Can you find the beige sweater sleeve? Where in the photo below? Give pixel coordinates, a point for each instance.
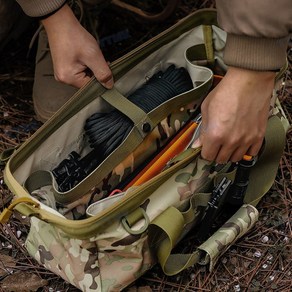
(257, 32)
(38, 8)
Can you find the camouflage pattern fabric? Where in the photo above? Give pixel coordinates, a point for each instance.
(241, 222)
(118, 255)
(275, 106)
(115, 258)
(107, 262)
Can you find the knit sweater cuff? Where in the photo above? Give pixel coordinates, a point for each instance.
(38, 8)
(261, 54)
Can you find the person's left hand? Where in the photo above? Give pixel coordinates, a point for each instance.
(76, 54)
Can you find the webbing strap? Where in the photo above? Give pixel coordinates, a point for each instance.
(168, 227)
(263, 174)
(164, 233)
(128, 108)
(208, 40)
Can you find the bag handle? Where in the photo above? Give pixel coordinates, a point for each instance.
(165, 235)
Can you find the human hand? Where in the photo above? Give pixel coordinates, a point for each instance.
(76, 54)
(234, 115)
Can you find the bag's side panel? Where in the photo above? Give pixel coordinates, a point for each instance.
(76, 261)
(123, 258)
(108, 262)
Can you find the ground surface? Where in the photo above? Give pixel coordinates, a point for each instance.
(261, 261)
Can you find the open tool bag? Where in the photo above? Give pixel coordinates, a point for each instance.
(92, 221)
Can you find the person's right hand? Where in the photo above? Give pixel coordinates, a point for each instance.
(235, 114)
(76, 54)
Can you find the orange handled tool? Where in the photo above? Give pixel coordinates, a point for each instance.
(176, 146)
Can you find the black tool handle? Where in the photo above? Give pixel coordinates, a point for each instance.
(238, 189)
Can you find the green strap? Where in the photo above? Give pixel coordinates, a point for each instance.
(168, 227)
(208, 40)
(263, 174)
(164, 232)
(132, 111)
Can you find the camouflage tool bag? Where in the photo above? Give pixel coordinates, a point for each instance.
(98, 231)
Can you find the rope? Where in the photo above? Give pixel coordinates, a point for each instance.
(106, 131)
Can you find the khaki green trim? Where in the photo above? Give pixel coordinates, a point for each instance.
(164, 232)
(7, 212)
(6, 154)
(208, 38)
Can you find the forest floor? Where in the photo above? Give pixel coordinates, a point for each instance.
(260, 261)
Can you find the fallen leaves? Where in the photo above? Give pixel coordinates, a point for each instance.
(22, 282)
(7, 263)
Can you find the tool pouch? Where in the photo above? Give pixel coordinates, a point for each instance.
(122, 236)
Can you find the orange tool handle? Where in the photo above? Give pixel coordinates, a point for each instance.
(176, 146)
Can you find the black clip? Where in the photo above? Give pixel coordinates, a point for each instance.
(74, 169)
(216, 201)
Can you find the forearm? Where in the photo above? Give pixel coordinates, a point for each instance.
(60, 22)
(257, 32)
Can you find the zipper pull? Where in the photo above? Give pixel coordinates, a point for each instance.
(7, 212)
